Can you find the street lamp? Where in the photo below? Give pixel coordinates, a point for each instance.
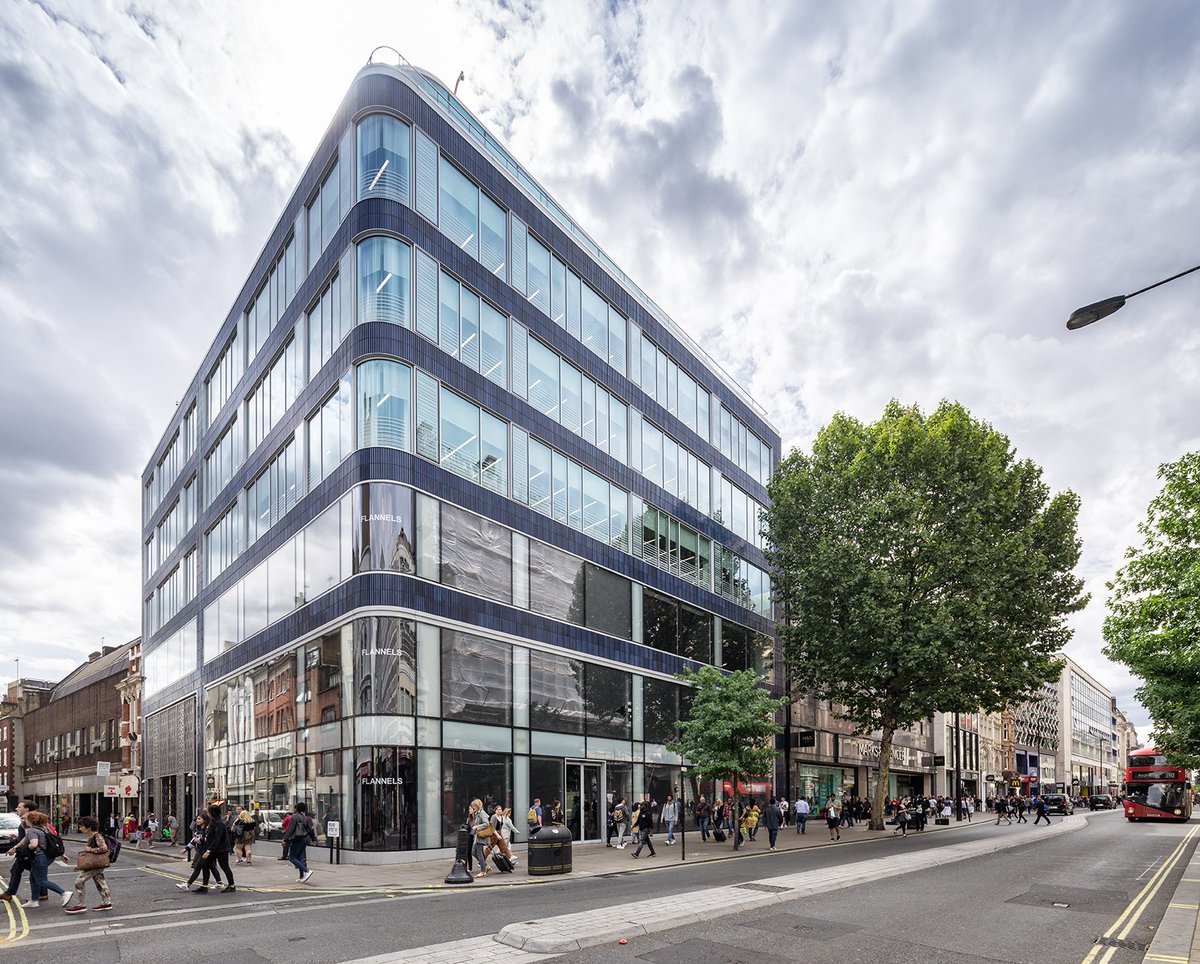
(1082, 317)
(57, 799)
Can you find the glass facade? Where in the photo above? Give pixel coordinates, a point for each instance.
(467, 502)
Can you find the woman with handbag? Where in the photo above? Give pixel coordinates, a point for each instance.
(244, 832)
(91, 863)
(481, 831)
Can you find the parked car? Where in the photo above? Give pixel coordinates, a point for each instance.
(10, 829)
(1101, 801)
(270, 824)
(1059, 803)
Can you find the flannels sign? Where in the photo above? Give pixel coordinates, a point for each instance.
(382, 781)
(856, 749)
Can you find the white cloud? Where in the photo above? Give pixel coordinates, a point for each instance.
(843, 205)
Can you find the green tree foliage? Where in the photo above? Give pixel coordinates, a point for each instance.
(921, 567)
(1153, 623)
(730, 732)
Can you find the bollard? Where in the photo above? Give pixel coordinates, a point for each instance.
(459, 873)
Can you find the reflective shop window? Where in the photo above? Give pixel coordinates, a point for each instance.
(556, 693)
(743, 648)
(476, 679)
(384, 281)
(385, 404)
(476, 554)
(384, 154)
(387, 528)
(609, 702)
(323, 677)
(661, 710)
(556, 586)
(468, 775)
(385, 666)
(387, 797)
(695, 634)
(660, 622)
(608, 602)
(326, 552)
(326, 326)
(459, 208)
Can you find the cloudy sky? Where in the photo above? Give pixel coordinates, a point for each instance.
(844, 203)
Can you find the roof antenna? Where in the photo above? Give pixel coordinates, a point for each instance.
(461, 78)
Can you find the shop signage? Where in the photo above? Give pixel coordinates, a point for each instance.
(382, 781)
(379, 651)
(939, 760)
(103, 768)
(855, 749)
(333, 828)
(383, 517)
(128, 786)
(806, 738)
(111, 790)
(990, 778)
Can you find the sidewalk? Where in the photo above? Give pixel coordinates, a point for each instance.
(267, 873)
(1177, 939)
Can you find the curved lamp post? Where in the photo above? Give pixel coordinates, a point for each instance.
(1082, 317)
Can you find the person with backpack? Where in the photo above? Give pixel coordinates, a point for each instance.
(91, 864)
(45, 845)
(772, 819)
(620, 821)
(203, 862)
(534, 816)
(299, 834)
(669, 817)
(244, 832)
(557, 817)
(19, 851)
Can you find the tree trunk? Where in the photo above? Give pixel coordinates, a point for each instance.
(881, 781)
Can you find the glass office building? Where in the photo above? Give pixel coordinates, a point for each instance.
(449, 503)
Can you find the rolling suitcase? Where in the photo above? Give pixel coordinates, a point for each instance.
(503, 864)
(719, 835)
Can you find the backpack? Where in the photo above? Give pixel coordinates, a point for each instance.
(114, 848)
(618, 814)
(532, 817)
(54, 846)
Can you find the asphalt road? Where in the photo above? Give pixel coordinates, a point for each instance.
(997, 908)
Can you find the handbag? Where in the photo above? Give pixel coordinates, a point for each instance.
(484, 832)
(90, 861)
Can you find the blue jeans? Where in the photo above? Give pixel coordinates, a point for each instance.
(703, 828)
(40, 881)
(670, 830)
(801, 820)
(296, 853)
(772, 834)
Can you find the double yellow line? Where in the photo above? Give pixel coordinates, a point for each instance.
(18, 923)
(1124, 924)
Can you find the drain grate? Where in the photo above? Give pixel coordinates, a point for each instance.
(764, 888)
(1117, 942)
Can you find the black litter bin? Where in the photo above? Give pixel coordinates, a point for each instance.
(549, 852)
(942, 821)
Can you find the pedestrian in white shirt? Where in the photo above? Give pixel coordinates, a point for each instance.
(668, 816)
(802, 811)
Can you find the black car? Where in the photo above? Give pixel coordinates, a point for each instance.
(1059, 803)
(1101, 801)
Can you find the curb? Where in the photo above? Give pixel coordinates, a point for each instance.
(1176, 940)
(573, 932)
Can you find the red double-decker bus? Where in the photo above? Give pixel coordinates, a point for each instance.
(1155, 790)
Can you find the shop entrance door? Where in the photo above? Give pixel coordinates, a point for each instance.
(584, 800)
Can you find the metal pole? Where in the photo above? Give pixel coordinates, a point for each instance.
(957, 770)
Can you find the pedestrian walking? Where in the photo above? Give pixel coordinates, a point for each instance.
(772, 819)
(21, 854)
(644, 825)
(1021, 808)
(244, 832)
(1043, 812)
(481, 832)
(802, 812)
(1002, 811)
(832, 818)
(784, 810)
(703, 817)
(204, 861)
(750, 820)
(903, 816)
(620, 818)
(301, 834)
(219, 845)
(91, 863)
(39, 841)
(669, 817)
(503, 831)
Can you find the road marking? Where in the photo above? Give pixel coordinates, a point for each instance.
(1136, 907)
(18, 923)
(1170, 958)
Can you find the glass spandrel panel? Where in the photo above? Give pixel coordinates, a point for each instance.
(608, 603)
(468, 332)
(448, 336)
(476, 554)
(476, 679)
(426, 177)
(427, 416)
(427, 296)
(556, 694)
(520, 465)
(520, 359)
(556, 583)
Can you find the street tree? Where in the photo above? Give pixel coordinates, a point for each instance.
(730, 730)
(919, 566)
(1153, 622)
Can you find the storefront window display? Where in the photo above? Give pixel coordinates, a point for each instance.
(385, 778)
(468, 775)
(816, 783)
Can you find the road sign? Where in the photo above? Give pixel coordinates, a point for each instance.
(103, 768)
(333, 828)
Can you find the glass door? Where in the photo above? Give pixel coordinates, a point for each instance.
(584, 801)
